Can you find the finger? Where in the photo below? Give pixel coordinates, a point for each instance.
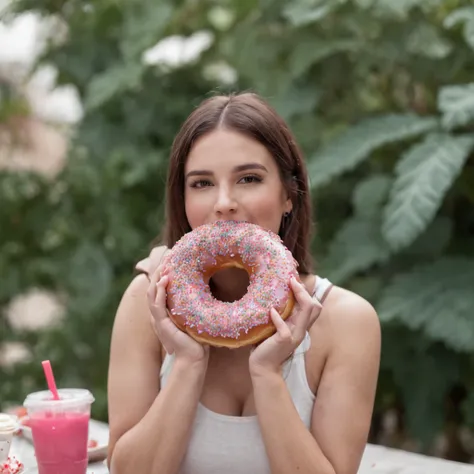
(166, 333)
(303, 319)
(303, 298)
(153, 289)
(315, 313)
(169, 350)
(173, 333)
(153, 325)
(151, 292)
(282, 328)
(167, 347)
(160, 299)
(156, 275)
(306, 320)
(300, 328)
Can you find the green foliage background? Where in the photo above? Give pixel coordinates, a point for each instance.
(378, 93)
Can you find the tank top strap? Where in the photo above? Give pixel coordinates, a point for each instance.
(322, 288)
(166, 368)
(149, 264)
(294, 374)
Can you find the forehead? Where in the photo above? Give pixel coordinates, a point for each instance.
(227, 148)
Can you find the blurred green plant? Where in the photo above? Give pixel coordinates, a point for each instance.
(378, 93)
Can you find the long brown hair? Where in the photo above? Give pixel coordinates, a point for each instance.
(249, 114)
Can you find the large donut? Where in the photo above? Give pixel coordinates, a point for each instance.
(207, 249)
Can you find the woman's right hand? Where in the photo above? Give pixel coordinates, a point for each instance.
(173, 339)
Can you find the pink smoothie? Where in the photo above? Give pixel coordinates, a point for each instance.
(60, 441)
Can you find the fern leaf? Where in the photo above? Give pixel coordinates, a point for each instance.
(89, 276)
(111, 82)
(355, 144)
(425, 40)
(359, 244)
(463, 15)
(364, 4)
(401, 8)
(424, 175)
(143, 26)
(436, 299)
(434, 240)
(370, 195)
(457, 105)
(301, 14)
(311, 51)
(356, 247)
(296, 100)
(423, 372)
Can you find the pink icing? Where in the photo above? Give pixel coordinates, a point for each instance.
(190, 297)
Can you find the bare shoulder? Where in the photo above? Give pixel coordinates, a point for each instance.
(350, 328)
(133, 313)
(346, 314)
(135, 361)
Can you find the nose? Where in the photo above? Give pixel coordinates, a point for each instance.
(225, 203)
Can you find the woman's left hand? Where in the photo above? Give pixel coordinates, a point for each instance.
(274, 351)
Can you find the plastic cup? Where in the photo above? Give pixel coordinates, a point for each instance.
(60, 430)
(8, 426)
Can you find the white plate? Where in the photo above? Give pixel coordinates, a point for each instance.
(98, 431)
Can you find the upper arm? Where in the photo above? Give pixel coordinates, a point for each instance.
(345, 398)
(135, 361)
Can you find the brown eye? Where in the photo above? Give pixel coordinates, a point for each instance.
(201, 183)
(250, 179)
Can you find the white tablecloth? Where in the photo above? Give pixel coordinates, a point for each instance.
(376, 460)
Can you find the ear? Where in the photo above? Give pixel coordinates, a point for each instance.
(288, 207)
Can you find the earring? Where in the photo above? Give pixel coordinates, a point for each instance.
(286, 214)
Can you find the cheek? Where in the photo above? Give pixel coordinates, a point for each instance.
(269, 201)
(268, 210)
(189, 207)
(196, 210)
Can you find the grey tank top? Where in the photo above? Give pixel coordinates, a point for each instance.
(232, 444)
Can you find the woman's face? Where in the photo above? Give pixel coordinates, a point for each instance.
(229, 176)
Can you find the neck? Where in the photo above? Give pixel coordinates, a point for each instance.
(229, 284)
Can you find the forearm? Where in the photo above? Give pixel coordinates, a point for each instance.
(289, 444)
(158, 442)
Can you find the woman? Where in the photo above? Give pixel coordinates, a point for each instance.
(302, 400)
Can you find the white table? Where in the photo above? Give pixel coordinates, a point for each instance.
(376, 460)
(381, 460)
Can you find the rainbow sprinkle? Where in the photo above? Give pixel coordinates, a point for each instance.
(12, 466)
(262, 251)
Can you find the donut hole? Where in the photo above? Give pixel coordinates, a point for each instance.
(236, 284)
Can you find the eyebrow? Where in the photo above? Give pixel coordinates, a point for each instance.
(236, 169)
